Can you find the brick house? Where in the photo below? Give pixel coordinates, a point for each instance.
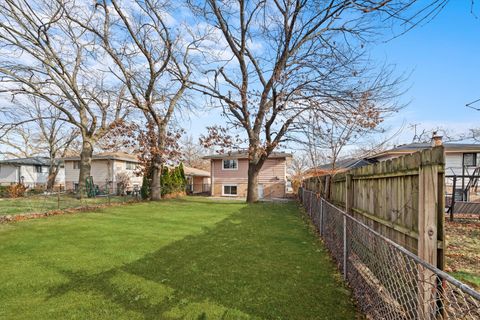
(198, 181)
(229, 175)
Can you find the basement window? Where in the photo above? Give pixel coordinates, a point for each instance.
(229, 190)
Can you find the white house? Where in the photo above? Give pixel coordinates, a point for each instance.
(32, 172)
(107, 170)
(462, 160)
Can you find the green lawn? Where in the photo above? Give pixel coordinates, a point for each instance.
(190, 258)
(43, 203)
(463, 250)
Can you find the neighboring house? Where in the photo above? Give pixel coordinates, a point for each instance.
(32, 172)
(107, 171)
(198, 181)
(460, 160)
(229, 175)
(339, 166)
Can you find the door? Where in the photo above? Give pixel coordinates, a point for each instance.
(260, 191)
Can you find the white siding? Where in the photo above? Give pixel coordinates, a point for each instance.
(60, 178)
(453, 163)
(8, 174)
(31, 177)
(120, 166)
(103, 171)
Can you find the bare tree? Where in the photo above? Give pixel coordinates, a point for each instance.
(273, 61)
(192, 153)
(18, 143)
(49, 57)
(152, 61)
(45, 134)
(331, 136)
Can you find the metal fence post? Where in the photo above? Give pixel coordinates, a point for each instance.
(310, 205)
(322, 219)
(348, 209)
(345, 249)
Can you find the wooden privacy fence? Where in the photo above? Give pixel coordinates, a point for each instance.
(402, 199)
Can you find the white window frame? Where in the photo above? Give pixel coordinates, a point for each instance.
(475, 156)
(229, 169)
(76, 165)
(131, 164)
(228, 194)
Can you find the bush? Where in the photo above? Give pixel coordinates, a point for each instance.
(145, 190)
(16, 190)
(173, 180)
(36, 190)
(3, 191)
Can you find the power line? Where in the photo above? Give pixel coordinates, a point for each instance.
(473, 102)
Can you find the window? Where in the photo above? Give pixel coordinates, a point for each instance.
(230, 164)
(229, 190)
(470, 159)
(38, 169)
(131, 165)
(76, 164)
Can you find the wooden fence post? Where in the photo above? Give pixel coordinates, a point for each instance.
(452, 203)
(328, 181)
(428, 185)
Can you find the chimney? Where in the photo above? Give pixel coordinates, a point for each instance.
(436, 139)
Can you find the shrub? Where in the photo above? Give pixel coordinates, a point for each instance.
(3, 191)
(145, 189)
(16, 190)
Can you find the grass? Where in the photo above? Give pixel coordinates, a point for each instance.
(189, 258)
(43, 203)
(463, 250)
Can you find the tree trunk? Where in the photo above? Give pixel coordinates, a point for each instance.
(252, 186)
(155, 186)
(157, 164)
(85, 166)
(52, 175)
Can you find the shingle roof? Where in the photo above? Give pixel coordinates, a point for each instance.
(195, 172)
(347, 164)
(244, 155)
(107, 156)
(413, 147)
(32, 161)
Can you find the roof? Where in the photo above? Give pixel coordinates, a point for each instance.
(107, 156)
(244, 155)
(32, 161)
(349, 163)
(195, 172)
(414, 147)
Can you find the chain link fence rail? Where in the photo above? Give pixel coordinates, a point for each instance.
(36, 204)
(387, 280)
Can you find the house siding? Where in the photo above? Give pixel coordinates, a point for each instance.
(272, 176)
(102, 171)
(8, 174)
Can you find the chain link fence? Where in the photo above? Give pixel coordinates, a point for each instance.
(387, 280)
(31, 204)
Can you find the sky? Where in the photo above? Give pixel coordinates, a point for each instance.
(442, 61)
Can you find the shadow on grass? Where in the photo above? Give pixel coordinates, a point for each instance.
(259, 263)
